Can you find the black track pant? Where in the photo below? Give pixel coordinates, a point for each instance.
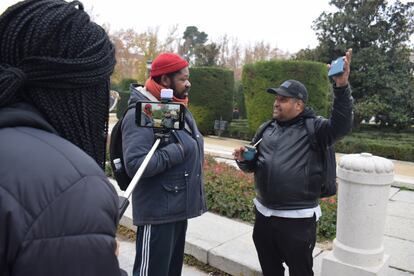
(288, 240)
(160, 249)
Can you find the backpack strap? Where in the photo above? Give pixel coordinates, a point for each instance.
(130, 106)
(310, 128)
(260, 131)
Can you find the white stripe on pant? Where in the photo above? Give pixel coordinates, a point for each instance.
(146, 238)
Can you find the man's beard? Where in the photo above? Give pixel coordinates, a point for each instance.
(182, 95)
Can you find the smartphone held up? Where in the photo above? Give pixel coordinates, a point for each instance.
(337, 67)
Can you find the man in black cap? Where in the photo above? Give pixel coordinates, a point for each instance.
(288, 189)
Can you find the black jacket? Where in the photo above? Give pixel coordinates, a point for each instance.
(282, 169)
(58, 212)
(171, 188)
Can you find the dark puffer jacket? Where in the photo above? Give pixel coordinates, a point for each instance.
(171, 188)
(58, 213)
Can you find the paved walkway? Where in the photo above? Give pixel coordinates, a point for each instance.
(227, 245)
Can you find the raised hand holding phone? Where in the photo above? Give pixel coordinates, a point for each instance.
(341, 78)
(337, 67)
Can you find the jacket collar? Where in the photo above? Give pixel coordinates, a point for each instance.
(24, 115)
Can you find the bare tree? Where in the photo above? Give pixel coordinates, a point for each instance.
(260, 51)
(231, 55)
(172, 41)
(127, 56)
(133, 50)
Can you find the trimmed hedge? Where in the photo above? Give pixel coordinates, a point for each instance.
(123, 89)
(238, 99)
(123, 85)
(123, 103)
(239, 129)
(262, 75)
(398, 146)
(211, 96)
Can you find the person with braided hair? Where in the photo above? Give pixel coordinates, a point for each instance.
(58, 212)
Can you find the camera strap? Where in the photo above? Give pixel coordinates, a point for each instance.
(187, 128)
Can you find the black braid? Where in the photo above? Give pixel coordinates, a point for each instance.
(54, 57)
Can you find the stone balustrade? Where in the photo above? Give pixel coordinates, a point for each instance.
(364, 181)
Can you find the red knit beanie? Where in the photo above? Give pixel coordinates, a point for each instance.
(167, 63)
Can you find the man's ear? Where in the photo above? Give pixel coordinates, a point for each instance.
(300, 105)
(165, 81)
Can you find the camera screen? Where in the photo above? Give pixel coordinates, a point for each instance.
(160, 115)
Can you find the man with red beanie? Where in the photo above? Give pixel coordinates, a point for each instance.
(146, 116)
(171, 189)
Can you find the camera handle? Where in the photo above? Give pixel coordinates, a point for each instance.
(124, 199)
(162, 136)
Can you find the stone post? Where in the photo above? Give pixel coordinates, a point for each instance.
(363, 189)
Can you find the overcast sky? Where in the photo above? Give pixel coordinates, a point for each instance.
(285, 24)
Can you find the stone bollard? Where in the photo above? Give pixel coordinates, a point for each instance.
(364, 181)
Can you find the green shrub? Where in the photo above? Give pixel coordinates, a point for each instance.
(123, 85)
(211, 96)
(124, 92)
(122, 103)
(239, 99)
(386, 129)
(230, 192)
(381, 142)
(204, 118)
(262, 75)
(239, 129)
(327, 223)
(108, 168)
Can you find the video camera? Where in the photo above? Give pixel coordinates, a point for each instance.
(164, 115)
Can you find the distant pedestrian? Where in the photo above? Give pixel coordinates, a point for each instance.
(168, 120)
(236, 113)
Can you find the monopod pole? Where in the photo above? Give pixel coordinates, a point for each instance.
(124, 199)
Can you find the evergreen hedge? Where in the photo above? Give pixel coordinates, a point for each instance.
(259, 76)
(123, 103)
(123, 89)
(123, 85)
(397, 146)
(238, 99)
(211, 96)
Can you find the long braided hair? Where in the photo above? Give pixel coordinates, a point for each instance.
(53, 56)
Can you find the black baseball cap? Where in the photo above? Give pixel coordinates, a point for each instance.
(291, 89)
